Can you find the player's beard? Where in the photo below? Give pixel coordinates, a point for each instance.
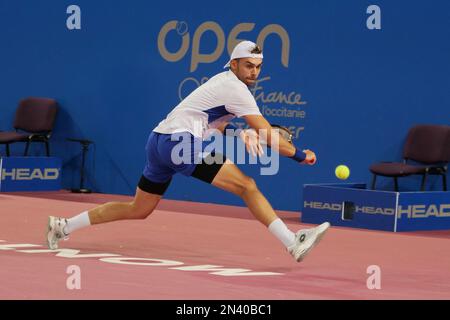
(245, 79)
(250, 82)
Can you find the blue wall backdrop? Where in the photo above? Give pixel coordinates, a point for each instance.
(358, 90)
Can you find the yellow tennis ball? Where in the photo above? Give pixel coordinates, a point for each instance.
(342, 172)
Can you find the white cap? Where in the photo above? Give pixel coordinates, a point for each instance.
(243, 50)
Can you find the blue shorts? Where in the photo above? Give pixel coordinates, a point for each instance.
(168, 154)
(160, 166)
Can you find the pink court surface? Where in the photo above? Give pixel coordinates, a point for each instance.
(196, 251)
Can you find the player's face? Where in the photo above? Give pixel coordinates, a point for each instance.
(247, 69)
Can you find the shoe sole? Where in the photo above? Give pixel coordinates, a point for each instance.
(46, 235)
(319, 237)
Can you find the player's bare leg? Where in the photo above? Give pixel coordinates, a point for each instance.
(140, 207)
(231, 179)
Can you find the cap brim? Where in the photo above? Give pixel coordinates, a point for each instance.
(227, 65)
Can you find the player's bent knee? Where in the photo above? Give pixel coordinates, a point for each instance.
(248, 185)
(139, 212)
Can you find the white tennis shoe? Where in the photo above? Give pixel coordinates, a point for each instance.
(55, 231)
(306, 239)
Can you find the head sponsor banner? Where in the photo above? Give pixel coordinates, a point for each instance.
(369, 209)
(30, 174)
(423, 211)
(353, 205)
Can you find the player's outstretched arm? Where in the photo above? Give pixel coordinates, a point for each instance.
(259, 123)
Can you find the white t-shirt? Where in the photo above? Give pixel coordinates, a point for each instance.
(220, 99)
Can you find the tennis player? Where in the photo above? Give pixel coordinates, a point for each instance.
(212, 105)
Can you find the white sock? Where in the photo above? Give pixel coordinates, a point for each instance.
(281, 231)
(77, 222)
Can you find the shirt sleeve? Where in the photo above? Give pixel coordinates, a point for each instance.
(241, 102)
